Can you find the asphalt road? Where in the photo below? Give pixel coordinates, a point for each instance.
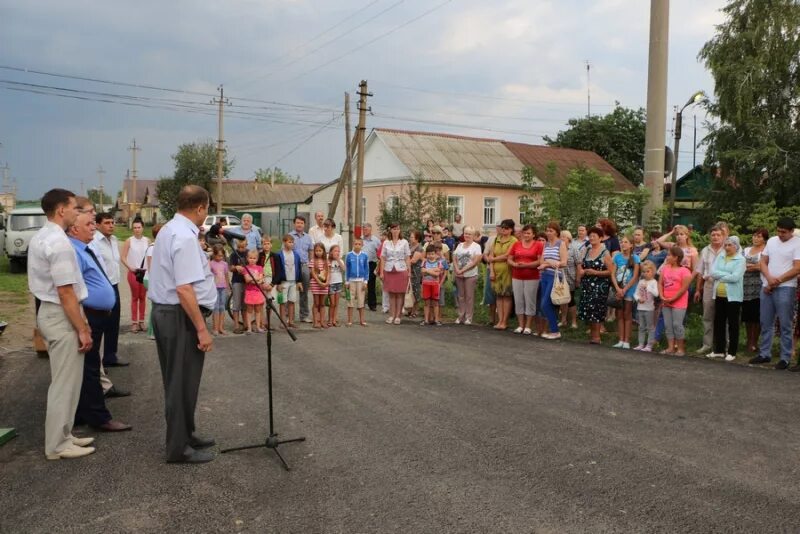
(412, 429)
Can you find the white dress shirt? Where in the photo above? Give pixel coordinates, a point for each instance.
(316, 233)
(395, 255)
(52, 264)
(178, 260)
(107, 248)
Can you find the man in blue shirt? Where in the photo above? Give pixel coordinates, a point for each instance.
(303, 245)
(97, 307)
(251, 233)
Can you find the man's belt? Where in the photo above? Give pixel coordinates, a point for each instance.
(97, 313)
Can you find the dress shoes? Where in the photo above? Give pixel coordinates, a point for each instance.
(113, 426)
(118, 363)
(82, 442)
(781, 365)
(756, 360)
(197, 442)
(71, 452)
(116, 392)
(194, 457)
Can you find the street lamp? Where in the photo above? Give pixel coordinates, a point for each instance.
(696, 98)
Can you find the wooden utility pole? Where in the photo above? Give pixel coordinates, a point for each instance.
(100, 173)
(220, 145)
(132, 202)
(348, 157)
(349, 172)
(362, 127)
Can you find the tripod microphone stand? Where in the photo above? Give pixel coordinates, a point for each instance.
(272, 441)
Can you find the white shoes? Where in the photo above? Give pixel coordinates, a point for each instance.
(457, 321)
(518, 330)
(71, 452)
(467, 322)
(703, 349)
(527, 332)
(82, 442)
(713, 355)
(551, 335)
(729, 357)
(617, 345)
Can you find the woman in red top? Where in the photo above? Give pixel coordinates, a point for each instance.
(524, 258)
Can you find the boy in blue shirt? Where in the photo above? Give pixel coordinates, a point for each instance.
(433, 273)
(357, 273)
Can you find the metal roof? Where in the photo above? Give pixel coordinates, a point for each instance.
(444, 158)
(252, 193)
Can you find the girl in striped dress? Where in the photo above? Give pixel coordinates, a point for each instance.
(319, 283)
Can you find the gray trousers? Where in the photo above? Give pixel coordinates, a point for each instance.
(302, 296)
(66, 372)
(181, 370)
(525, 292)
(673, 322)
(647, 327)
(708, 314)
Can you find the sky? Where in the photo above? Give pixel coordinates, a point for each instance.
(507, 69)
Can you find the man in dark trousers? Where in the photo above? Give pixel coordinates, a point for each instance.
(370, 247)
(98, 309)
(183, 292)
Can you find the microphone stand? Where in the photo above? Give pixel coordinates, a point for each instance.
(272, 441)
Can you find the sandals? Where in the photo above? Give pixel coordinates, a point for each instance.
(135, 328)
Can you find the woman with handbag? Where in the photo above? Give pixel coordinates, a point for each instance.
(624, 276)
(593, 277)
(133, 255)
(554, 258)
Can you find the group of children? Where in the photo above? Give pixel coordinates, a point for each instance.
(247, 272)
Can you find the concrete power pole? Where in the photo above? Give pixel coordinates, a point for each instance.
(100, 173)
(656, 107)
(220, 144)
(6, 185)
(362, 127)
(132, 201)
(349, 172)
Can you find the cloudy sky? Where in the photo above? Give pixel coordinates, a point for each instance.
(506, 69)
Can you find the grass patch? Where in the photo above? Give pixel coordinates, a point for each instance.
(12, 283)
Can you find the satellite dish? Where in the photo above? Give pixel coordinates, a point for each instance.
(669, 161)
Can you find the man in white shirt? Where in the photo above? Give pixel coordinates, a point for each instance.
(106, 246)
(56, 281)
(780, 265)
(316, 232)
(705, 285)
(183, 292)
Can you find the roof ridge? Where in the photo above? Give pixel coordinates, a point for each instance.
(438, 134)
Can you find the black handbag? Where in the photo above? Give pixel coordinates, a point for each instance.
(141, 271)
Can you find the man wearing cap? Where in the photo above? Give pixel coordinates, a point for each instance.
(98, 309)
(370, 247)
(55, 280)
(183, 292)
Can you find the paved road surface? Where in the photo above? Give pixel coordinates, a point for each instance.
(411, 429)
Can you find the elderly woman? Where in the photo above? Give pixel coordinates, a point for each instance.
(554, 257)
(466, 258)
(500, 272)
(394, 271)
(569, 311)
(594, 277)
(728, 275)
(329, 236)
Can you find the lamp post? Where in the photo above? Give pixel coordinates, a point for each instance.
(696, 98)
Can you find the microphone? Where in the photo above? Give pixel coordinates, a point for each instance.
(232, 234)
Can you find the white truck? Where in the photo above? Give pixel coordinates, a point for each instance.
(16, 229)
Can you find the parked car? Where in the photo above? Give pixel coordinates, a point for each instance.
(233, 220)
(16, 232)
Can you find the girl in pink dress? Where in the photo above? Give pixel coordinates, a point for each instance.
(319, 283)
(253, 297)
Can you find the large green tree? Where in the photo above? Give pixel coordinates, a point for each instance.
(755, 140)
(276, 175)
(617, 137)
(195, 164)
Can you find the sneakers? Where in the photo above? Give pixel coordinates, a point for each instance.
(703, 349)
(457, 321)
(729, 357)
(526, 332)
(467, 322)
(518, 330)
(647, 348)
(638, 347)
(626, 345)
(551, 335)
(758, 359)
(82, 442)
(617, 345)
(781, 365)
(70, 453)
(713, 355)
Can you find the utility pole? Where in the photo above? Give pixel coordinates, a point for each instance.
(656, 107)
(362, 127)
(100, 173)
(346, 170)
(132, 202)
(220, 144)
(588, 90)
(349, 172)
(6, 185)
(83, 191)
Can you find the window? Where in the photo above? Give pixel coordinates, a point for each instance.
(489, 211)
(455, 205)
(525, 203)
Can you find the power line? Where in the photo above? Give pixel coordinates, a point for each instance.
(371, 41)
(462, 126)
(309, 138)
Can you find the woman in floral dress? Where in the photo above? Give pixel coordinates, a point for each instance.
(594, 274)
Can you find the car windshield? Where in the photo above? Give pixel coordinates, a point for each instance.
(27, 222)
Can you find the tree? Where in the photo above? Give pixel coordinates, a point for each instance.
(755, 142)
(195, 164)
(276, 174)
(617, 137)
(94, 196)
(413, 205)
(585, 196)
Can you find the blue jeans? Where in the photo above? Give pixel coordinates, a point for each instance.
(545, 304)
(779, 303)
(488, 294)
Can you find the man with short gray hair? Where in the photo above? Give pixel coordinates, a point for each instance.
(250, 232)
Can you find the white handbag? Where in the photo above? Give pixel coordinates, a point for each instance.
(560, 293)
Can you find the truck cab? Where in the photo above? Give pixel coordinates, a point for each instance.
(19, 227)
